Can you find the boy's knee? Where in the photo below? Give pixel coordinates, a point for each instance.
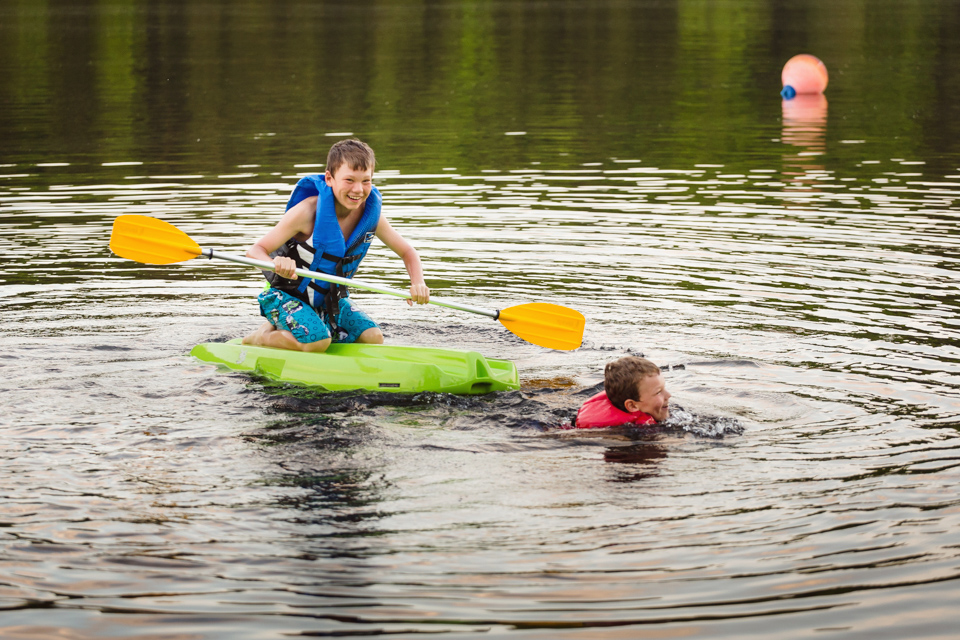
(373, 335)
(314, 347)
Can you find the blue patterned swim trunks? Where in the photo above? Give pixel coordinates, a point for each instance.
(284, 311)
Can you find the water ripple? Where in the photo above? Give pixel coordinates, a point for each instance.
(809, 469)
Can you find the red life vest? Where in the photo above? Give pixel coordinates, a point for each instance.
(598, 412)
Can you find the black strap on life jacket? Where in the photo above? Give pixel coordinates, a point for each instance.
(336, 292)
(331, 295)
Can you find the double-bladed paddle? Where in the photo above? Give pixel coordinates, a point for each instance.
(152, 241)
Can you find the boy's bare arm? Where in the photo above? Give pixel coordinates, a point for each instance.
(297, 221)
(419, 292)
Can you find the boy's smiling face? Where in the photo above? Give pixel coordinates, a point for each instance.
(654, 398)
(351, 187)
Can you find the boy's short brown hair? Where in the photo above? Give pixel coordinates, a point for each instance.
(621, 379)
(357, 155)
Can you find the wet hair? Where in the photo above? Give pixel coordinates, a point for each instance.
(357, 155)
(621, 379)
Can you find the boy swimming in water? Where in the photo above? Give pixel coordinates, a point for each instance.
(633, 393)
(329, 223)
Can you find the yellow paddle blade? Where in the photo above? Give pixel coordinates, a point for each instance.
(546, 325)
(151, 241)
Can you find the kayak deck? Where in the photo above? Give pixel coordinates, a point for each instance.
(373, 367)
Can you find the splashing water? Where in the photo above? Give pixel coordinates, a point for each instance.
(706, 426)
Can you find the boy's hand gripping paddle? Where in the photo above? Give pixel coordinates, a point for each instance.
(152, 241)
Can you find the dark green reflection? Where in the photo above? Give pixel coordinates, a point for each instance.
(430, 84)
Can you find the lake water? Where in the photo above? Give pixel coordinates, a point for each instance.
(792, 265)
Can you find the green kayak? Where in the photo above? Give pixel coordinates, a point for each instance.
(374, 367)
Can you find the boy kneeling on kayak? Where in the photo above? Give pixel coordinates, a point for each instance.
(329, 223)
(633, 393)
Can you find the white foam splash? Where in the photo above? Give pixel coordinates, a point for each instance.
(703, 425)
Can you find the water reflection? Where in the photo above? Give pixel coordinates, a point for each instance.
(642, 458)
(182, 84)
(345, 502)
(805, 128)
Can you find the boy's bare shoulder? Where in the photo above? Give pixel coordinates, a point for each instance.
(302, 215)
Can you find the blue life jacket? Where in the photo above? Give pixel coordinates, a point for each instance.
(327, 250)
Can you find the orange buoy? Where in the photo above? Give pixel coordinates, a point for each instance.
(803, 73)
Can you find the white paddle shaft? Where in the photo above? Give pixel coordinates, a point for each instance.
(303, 273)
